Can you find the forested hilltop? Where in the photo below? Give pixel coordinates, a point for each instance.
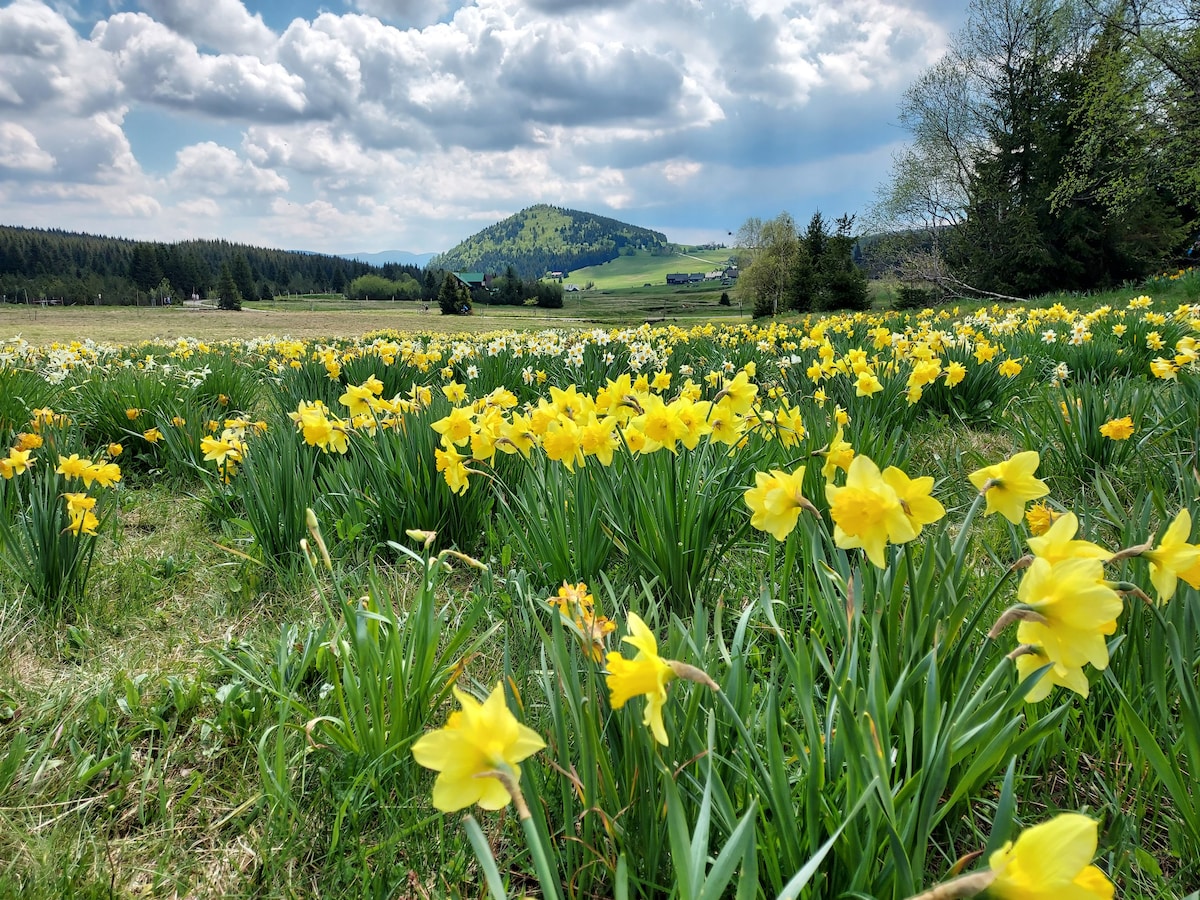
(544, 239)
(67, 267)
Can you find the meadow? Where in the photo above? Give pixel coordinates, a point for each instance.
(644, 268)
(876, 605)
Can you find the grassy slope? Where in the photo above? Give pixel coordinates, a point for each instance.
(637, 270)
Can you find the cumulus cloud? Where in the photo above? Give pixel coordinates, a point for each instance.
(570, 6)
(426, 120)
(404, 12)
(213, 170)
(223, 25)
(19, 150)
(45, 64)
(158, 66)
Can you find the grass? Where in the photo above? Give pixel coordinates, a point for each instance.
(643, 268)
(323, 319)
(163, 751)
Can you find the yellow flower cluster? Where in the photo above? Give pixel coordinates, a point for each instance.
(1066, 609)
(871, 510)
(571, 427)
(578, 610)
(102, 472)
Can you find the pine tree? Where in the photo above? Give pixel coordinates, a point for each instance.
(243, 277)
(231, 297)
(454, 298)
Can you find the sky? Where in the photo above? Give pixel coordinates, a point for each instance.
(370, 125)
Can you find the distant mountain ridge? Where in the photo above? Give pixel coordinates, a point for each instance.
(384, 257)
(546, 238)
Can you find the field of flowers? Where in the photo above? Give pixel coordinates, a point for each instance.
(884, 605)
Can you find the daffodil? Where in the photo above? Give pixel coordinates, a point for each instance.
(451, 464)
(1174, 558)
(357, 399)
(478, 739)
(916, 499)
(105, 474)
(1010, 484)
(17, 462)
(646, 674)
(1074, 611)
(1040, 517)
(867, 512)
(1057, 675)
(1118, 429)
(1051, 861)
(1058, 542)
(72, 466)
(776, 501)
(455, 428)
(82, 521)
(837, 455)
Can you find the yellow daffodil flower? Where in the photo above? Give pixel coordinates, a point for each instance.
(916, 500)
(1010, 484)
(1075, 610)
(776, 501)
(17, 462)
(72, 466)
(83, 521)
(838, 455)
(1174, 557)
(1051, 861)
(1040, 517)
(1118, 429)
(479, 738)
(456, 428)
(646, 674)
(1058, 542)
(1058, 675)
(867, 512)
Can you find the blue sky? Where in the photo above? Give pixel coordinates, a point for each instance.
(369, 125)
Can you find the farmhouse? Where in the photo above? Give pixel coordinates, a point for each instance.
(472, 280)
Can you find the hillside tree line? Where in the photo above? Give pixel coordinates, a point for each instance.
(40, 264)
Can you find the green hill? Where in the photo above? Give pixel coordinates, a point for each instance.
(544, 239)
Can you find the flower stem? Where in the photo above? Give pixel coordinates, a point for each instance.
(550, 884)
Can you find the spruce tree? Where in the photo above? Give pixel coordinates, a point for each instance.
(230, 296)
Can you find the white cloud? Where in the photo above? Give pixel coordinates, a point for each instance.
(223, 25)
(199, 208)
(19, 150)
(158, 66)
(404, 12)
(44, 64)
(213, 170)
(448, 115)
